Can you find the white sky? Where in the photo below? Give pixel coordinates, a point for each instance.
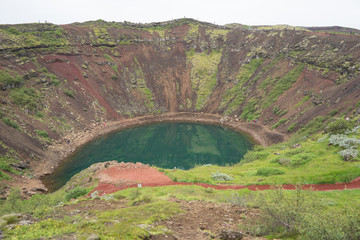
(251, 12)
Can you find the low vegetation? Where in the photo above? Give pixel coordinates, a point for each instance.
(299, 214)
(297, 161)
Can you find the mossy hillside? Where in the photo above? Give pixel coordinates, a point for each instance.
(279, 86)
(235, 95)
(216, 36)
(136, 81)
(7, 158)
(101, 36)
(192, 33)
(279, 27)
(204, 69)
(32, 35)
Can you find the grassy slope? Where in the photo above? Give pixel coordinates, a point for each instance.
(312, 163)
(139, 208)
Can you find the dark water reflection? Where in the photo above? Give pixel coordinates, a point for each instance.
(166, 145)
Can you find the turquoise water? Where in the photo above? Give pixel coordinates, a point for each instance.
(165, 145)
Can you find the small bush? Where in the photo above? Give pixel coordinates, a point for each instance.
(348, 154)
(76, 192)
(339, 126)
(43, 134)
(114, 77)
(134, 194)
(24, 97)
(69, 93)
(282, 161)
(278, 123)
(333, 112)
(9, 81)
(344, 141)
(218, 176)
(10, 123)
(291, 128)
(341, 224)
(301, 159)
(39, 115)
(300, 215)
(251, 156)
(276, 110)
(269, 172)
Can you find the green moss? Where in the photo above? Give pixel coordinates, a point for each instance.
(203, 75)
(137, 81)
(250, 110)
(283, 84)
(41, 133)
(33, 35)
(25, 97)
(9, 122)
(281, 121)
(217, 33)
(291, 128)
(10, 81)
(235, 96)
(306, 98)
(69, 93)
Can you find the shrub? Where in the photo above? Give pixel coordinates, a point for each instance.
(344, 141)
(9, 81)
(284, 161)
(54, 80)
(69, 93)
(278, 123)
(341, 224)
(269, 172)
(10, 123)
(43, 134)
(348, 154)
(24, 97)
(301, 159)
(276, 110)
(218, 176)
(284, 212)
(333, 112)
(39, 115)
(251, 156)
(291, 128)
(339, 126)
(76, 192)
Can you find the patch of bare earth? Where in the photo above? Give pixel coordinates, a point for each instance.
(199, 220)
(206, 220)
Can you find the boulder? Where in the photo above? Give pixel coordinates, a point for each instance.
(230, 235)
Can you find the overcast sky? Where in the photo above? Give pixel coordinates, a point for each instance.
(251, 12)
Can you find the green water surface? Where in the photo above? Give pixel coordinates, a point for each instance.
(165, 145)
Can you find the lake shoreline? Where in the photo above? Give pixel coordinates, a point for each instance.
(65, 147)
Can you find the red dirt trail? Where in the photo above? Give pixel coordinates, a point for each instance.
(116, 178)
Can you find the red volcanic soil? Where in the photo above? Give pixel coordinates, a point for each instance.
(128, 175)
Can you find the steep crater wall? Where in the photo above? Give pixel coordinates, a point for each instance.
(59, 81)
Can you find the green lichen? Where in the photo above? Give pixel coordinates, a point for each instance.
(217, 33)
(203, 75)
(235, 95)
(32, 35)
(281, 85)
(137, 81)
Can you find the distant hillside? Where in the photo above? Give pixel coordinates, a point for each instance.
(334, 29)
